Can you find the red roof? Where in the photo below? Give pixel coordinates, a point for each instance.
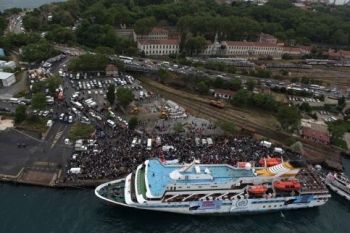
(223, 92)
(339, 53)
(251, 44)
(158, 30)
(159, 42)
(111, 67)
(316, 134)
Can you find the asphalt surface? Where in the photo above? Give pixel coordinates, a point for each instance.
(13, 159)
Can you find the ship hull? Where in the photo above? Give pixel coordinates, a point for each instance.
(338, 191)
(234, 207)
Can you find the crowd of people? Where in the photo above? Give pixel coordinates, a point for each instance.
(112, 155)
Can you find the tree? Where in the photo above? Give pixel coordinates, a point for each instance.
(289, 117)
(111, 94)
(120, 65)
(125, 96)
(250, 84)
(241, 98)
(61, 35)
(104, 50)
(178, 127)
(38, 52)
(235, 84)
(163, 75)
(53, 83)
(80, 131)
(218, 83)
(195, 45)
(305, 107)
(88, 62)
(133, 122)
(39, 101)
(20, 114)
(203, 87)
(341, 101)
(144, 25)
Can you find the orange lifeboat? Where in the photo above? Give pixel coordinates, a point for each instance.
(288, 185)
(270, 161)
(258, 190)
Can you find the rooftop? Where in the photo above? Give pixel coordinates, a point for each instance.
(159, 175)
(159, 42)
(313, 133)
(224, 92)
(159, 30)
(252, 44)
(5, 75)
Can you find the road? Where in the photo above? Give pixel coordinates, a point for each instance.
(16, 23)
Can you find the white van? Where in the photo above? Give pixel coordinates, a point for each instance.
(134, 141)
(111, 123)
(78, 105)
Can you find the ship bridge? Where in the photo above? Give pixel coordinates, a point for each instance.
(160, 177)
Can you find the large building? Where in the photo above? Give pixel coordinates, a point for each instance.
(155, 34)
(266, 46)
(244, 49)
(338, 54)
(159, 47)
(315, 130)
(158, 42)
(7, 79)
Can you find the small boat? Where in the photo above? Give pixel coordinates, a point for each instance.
(269, 161)
(287, 185)
(339, 183)
(257, 190)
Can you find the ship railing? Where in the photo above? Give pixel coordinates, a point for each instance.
(168, 199)
(233, 197)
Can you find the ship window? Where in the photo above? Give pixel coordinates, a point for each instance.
(263, 206)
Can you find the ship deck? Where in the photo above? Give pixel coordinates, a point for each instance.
(158, 175)
(113, 191)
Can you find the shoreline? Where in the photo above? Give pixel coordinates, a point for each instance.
(57, 183)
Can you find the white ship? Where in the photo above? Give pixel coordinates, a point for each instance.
(339, 183)
(216, 188)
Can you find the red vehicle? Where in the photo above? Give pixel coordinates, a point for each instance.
(288, 185)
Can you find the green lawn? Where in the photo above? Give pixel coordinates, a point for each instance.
(80, 131)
